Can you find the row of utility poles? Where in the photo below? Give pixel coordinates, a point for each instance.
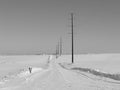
(59, 48)
(59, 45)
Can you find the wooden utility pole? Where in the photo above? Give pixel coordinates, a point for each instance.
(60, 46)
(72, 37)
(57, 51)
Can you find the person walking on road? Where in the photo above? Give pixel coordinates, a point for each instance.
(30, 69)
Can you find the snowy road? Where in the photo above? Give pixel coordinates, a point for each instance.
(57, 78)
(49, 79)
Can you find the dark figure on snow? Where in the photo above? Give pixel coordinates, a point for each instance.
(30, 69)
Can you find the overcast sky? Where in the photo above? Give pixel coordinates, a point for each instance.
(28, 26)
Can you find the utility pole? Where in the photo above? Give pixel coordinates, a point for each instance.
(72, 37)
(60, 46)
(57, 51)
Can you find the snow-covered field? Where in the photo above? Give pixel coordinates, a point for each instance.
(104, 62)
(50, 73)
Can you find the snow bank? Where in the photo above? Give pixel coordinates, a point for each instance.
(26, 73)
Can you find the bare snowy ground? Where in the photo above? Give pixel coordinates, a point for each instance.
(9, 64)
(49, 73)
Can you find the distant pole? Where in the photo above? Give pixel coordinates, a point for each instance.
(60, 46)
(72, 37)
(56, 51)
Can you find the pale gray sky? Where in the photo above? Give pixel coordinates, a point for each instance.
(32, 25)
